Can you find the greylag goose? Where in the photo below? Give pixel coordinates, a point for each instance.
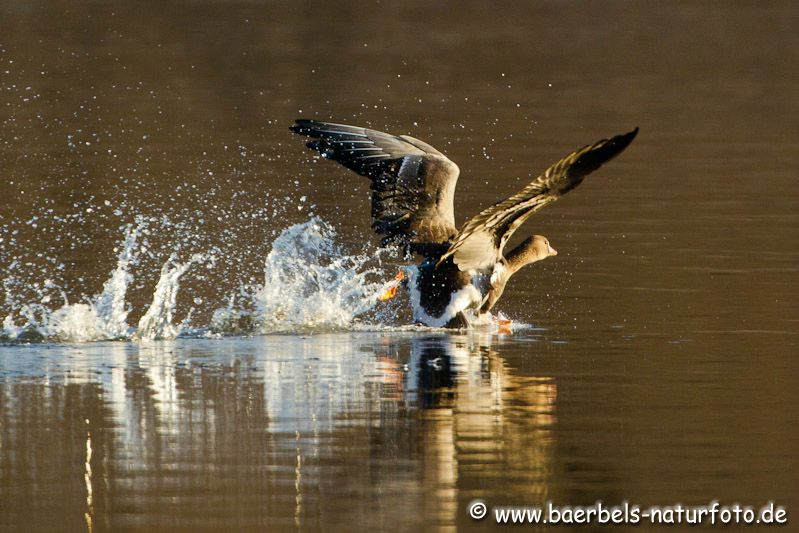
(413, 188)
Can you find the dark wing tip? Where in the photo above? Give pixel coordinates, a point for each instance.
(626, 138)
(618, 143)
(596, 155)
(303, 126)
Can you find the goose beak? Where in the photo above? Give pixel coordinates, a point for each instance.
(552, 251)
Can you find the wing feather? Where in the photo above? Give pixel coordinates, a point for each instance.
(413, 184)
(480, 242)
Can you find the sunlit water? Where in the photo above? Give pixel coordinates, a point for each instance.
(191, 331)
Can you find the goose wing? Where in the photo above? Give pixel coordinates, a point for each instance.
(480, 242)
(413, 184)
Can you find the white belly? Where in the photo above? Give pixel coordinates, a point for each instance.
(465, 298)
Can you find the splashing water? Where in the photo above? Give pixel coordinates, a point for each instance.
(103, 317)
(110, 306)
(157, 321)
(311, 284)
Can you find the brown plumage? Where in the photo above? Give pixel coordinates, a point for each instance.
(413, 188)
(413, 184)
(532, 250)
(481, 240)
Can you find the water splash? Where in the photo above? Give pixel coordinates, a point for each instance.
(103, 317)
(156, 323)
(310, 283)
(110, 305)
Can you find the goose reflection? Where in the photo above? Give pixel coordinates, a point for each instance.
(280, 432)
(481, 422)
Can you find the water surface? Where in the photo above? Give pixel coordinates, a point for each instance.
(658, 363)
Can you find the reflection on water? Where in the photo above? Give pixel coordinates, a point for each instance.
(270, 431)
(663, 365)
(392, 430)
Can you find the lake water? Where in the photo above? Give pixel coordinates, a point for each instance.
(193, 339)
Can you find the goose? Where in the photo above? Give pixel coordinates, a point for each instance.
(463, 272)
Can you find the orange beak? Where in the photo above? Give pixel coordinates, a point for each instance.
(392, 290)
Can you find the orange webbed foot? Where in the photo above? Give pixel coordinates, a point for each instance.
(391, 291)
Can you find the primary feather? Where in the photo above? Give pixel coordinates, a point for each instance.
(480, 242)
(413, 184)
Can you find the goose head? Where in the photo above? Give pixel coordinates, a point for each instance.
(532, 249)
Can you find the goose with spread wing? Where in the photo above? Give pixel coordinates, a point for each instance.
(463, 272)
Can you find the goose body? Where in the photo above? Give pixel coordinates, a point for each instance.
(464, 271)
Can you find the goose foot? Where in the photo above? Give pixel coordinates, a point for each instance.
(391, 291)
(503, 325)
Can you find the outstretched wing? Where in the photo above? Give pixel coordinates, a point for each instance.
(481, 240)
(413, 184)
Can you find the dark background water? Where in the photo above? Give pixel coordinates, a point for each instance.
(665, 369)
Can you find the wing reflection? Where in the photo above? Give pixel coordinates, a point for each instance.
(283, 432)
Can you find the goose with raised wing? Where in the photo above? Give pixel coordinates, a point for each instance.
(462, 273)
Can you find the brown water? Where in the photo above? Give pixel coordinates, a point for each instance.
(662, 365)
